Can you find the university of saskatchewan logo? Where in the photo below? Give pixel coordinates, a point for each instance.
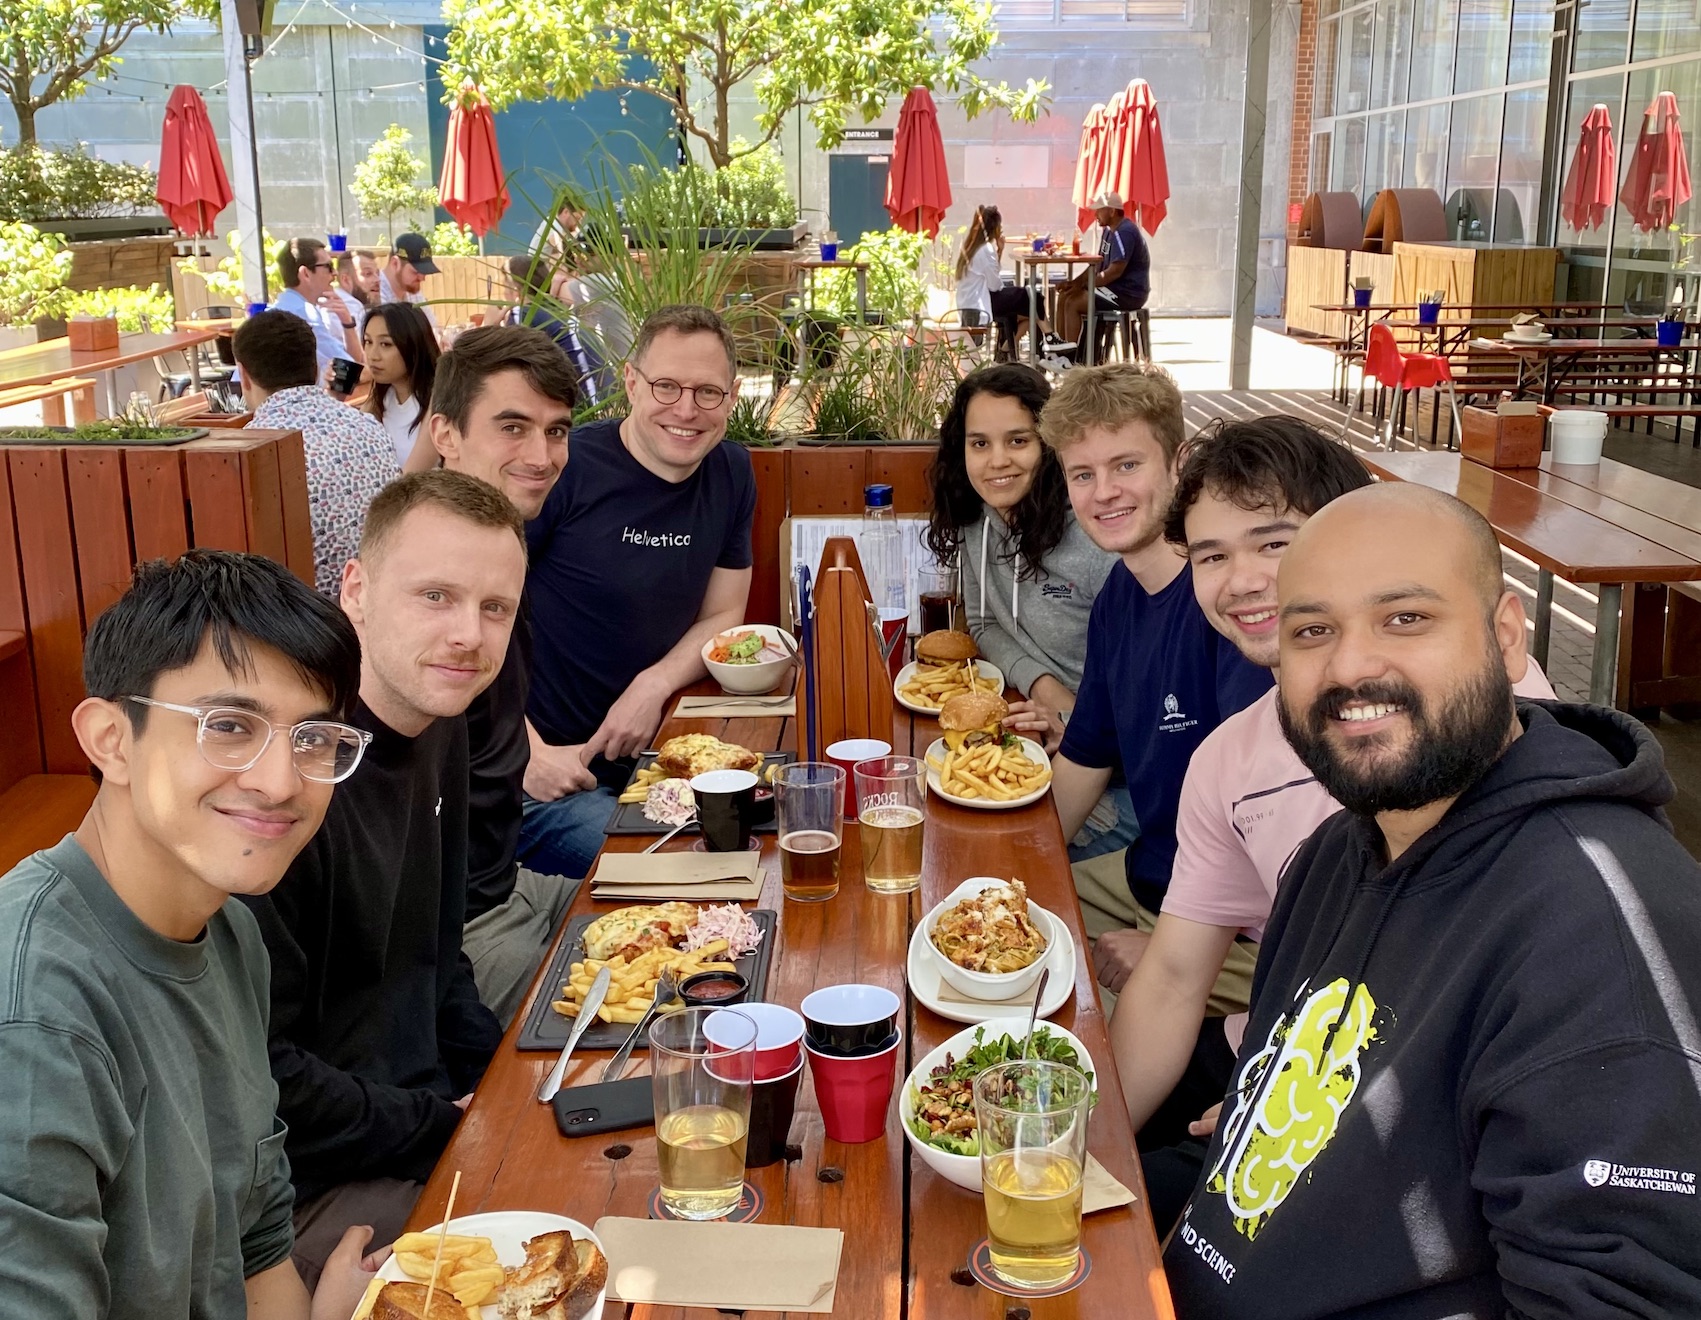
(1596, 1172)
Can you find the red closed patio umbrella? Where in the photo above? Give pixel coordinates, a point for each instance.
(918, 189)
(1658, 181)
(1142, 173)
(1090, 163)
(471, 188)
(193, 187)
(1592, 181)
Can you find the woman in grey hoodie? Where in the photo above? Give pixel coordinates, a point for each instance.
(1029, 573)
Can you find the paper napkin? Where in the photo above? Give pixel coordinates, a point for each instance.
(730, 1267)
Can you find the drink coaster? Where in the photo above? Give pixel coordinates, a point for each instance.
(752, 844)
(749, 1206)
(980, 1265)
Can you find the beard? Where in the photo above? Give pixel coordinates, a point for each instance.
(1451, 747)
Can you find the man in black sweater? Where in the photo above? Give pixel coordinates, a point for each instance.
(1471, 1081)
(377, 1033)
(500, 411)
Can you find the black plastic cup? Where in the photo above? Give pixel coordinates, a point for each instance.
(726, 808)
(850, 1021)
(772, 1106)
(345, 375)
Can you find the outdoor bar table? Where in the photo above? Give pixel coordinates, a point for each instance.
(809, 265)
(907, 1231)
(1034, 278)
(1560, 538)
(38, 364)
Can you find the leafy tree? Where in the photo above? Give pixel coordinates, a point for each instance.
(37, 184)
(449, 239)
(387, 182)
(48, 48)
(224, 281)
(33, 269)
(829, 56)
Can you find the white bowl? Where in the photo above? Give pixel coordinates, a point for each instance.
(964, 1170)
(752, 680)
(988, 985)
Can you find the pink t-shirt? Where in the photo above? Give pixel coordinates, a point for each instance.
(1247, 804)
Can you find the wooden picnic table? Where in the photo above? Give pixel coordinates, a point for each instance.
(907, 1229)
(39, 364)
(1561, 538)
(1550, 361)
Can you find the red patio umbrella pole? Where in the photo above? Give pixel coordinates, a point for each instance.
(918, 188)
(471, 188)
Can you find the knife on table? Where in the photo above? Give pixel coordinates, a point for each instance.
(587, 1015)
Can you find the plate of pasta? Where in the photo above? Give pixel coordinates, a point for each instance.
(940, 985)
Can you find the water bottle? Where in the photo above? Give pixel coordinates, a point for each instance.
(881, 546)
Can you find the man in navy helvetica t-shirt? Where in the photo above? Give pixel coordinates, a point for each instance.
(641, 554)
(1158, 677)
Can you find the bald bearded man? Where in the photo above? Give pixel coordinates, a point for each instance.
(1471, 1080)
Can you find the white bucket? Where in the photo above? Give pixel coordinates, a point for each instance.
(1577, 435)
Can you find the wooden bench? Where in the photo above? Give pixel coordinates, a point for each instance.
(51, 396)
(38, 811)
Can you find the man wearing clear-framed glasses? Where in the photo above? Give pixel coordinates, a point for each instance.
(142, 1170)
(641, 554)
(378, 1035)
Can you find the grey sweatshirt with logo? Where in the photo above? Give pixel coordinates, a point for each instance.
(1036, 625)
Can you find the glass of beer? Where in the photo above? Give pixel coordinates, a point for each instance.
(701, 1091)
(809, 809)
(1032, 1117)
(891, 793)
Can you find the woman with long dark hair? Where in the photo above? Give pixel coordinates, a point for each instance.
(1029, 573)
(981, 295)
(401, 362)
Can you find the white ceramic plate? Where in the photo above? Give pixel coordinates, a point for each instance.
(984, 668)
(508, 1231)
(1031, 749)
(1527, 339)
(925, 982)
(964, 1170)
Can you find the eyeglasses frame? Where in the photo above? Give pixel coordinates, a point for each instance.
(204, 713)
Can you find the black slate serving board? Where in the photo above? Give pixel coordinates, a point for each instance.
(629, 818)
(545, 1029)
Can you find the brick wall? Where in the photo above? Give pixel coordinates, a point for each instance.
(1305, 67)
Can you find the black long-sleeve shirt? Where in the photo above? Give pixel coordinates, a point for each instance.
(376, 1025)
(500, 751)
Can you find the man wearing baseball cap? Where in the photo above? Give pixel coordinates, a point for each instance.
(404, 274)
(1124, 279)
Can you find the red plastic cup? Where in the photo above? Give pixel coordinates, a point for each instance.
(779, 1038)
(846, 754)
(854, 1094)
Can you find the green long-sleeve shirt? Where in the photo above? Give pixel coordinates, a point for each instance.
(142, 1173)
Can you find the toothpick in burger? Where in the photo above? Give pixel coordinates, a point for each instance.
(945, 646)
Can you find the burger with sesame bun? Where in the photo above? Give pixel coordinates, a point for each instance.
(975, 719)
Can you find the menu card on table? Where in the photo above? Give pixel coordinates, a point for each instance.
(730, 1267)
(693, 876)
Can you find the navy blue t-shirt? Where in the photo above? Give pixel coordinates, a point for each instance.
(1125, 242)
(1158, 679)
(620, 562)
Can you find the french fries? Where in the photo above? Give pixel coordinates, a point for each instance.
(469, 1269)
(639, 788)
(993, 771)
(633, 984)
(931, 686)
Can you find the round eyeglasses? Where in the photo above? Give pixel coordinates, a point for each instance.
(709, 397)
(234, 739)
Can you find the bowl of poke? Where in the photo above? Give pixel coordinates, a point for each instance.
(750, 660)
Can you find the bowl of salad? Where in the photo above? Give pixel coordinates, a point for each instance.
(937, 1104)
(750, 659)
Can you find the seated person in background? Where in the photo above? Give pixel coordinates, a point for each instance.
(1029, 571)
(981, 295)
(530, 283)
(401, 362)
(1157, 678)
(1248, 802)
(309, 278)
(500, 411)
(350, 290)
(403, 276)
(377, 1033)
(142, 1171)
(1468, 1085)
(349, 457)
(641, 554)
(1124, 277)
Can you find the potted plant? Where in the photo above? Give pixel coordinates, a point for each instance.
(33, 269)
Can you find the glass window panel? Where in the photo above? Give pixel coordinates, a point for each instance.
(1426, 148)
(1352, 81)
(1484, 27)
(1473, 159)
(1323, 96)
(1392, 62)
(1347, 172)
(1320, 144)
(1660, 242)
(1532, 41)
(1432, 48)
(1382, 152)
(1520, 167)
(1585, 94)
(1603, 34)
(1665, 27)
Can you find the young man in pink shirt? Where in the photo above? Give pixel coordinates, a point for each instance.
(1248, 801)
